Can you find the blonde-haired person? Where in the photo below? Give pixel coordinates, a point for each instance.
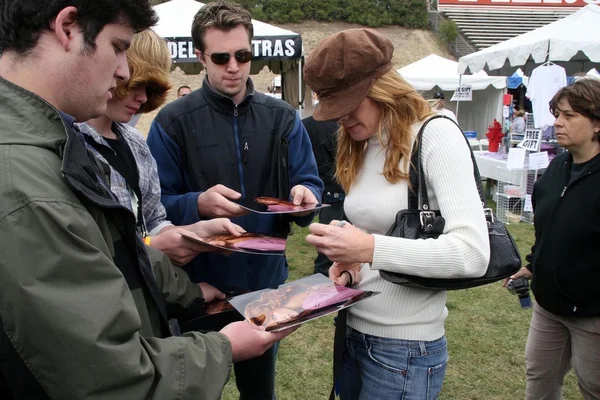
(395, 345)
(147, 46)
(134, 177)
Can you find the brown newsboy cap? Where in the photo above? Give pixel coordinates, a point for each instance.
(343, 67)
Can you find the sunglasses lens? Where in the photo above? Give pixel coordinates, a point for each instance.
(243, 56)
(219, 58)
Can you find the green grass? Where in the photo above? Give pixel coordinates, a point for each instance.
(486, 331)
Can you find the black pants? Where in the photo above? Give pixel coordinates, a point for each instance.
(254, 378)
(326, 215)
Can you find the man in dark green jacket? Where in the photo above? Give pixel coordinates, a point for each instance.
(81, 313)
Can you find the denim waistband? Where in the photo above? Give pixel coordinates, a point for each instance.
(419, 346)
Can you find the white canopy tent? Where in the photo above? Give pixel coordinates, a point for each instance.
(571, 42)
(593, 73)
(278, 49)
(434, 73)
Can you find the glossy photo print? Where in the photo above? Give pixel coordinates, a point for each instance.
(296, 302)
(218, 306)
(271, 205)
(251, 243)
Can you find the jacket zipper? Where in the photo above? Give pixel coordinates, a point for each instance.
(236, 134)
(242, 158)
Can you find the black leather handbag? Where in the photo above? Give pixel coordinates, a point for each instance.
(419, 222)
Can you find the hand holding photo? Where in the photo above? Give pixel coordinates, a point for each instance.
(214, 307)
(251, 243)
(296, 302)
(271, 205)
(217, 307)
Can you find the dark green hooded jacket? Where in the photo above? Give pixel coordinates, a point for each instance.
(81, 313)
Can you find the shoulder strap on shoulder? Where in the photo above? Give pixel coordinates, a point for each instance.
(416, 174)
(417, 195)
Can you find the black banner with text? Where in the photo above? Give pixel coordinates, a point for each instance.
(275, 48)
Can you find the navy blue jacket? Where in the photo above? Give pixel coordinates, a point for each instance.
(258, 148)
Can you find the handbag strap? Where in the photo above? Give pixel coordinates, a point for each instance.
(339, 348)
(417, 177)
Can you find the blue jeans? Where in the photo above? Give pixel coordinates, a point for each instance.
(382, 368)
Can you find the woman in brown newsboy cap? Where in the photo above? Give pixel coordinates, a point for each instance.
(395, 345)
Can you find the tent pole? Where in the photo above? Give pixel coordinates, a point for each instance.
(458, 102)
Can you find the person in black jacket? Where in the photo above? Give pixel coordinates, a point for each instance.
(565, 258)
(324, 144)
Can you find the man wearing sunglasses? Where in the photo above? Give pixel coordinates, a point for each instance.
(227, 141)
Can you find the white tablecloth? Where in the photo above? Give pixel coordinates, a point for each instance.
(493, 168)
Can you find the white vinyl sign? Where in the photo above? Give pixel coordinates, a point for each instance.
(463, 93)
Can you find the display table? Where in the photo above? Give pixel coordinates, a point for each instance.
(493, 166)
(512, 187)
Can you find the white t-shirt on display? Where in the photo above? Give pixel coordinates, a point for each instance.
(544, 82)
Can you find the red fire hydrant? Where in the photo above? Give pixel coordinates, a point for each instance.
(494, 135)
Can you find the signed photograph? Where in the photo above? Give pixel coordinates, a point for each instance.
(271, 205)
(252, 243)
(296, 302)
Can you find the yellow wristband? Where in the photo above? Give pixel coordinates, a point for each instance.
(147, 240)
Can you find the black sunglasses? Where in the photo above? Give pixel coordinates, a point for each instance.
(241, 56)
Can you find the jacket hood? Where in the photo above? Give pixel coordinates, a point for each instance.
(43, 128)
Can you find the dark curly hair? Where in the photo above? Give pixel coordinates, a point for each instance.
(23, 21)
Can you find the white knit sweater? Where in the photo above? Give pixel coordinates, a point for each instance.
(463, 250)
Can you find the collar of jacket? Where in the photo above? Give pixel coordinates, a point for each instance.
(89, 130)
(592, 167)
(44, 127)
(85, 173)
(223, 103)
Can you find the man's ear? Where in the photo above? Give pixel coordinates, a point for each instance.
(65, 27)
(199, 57)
